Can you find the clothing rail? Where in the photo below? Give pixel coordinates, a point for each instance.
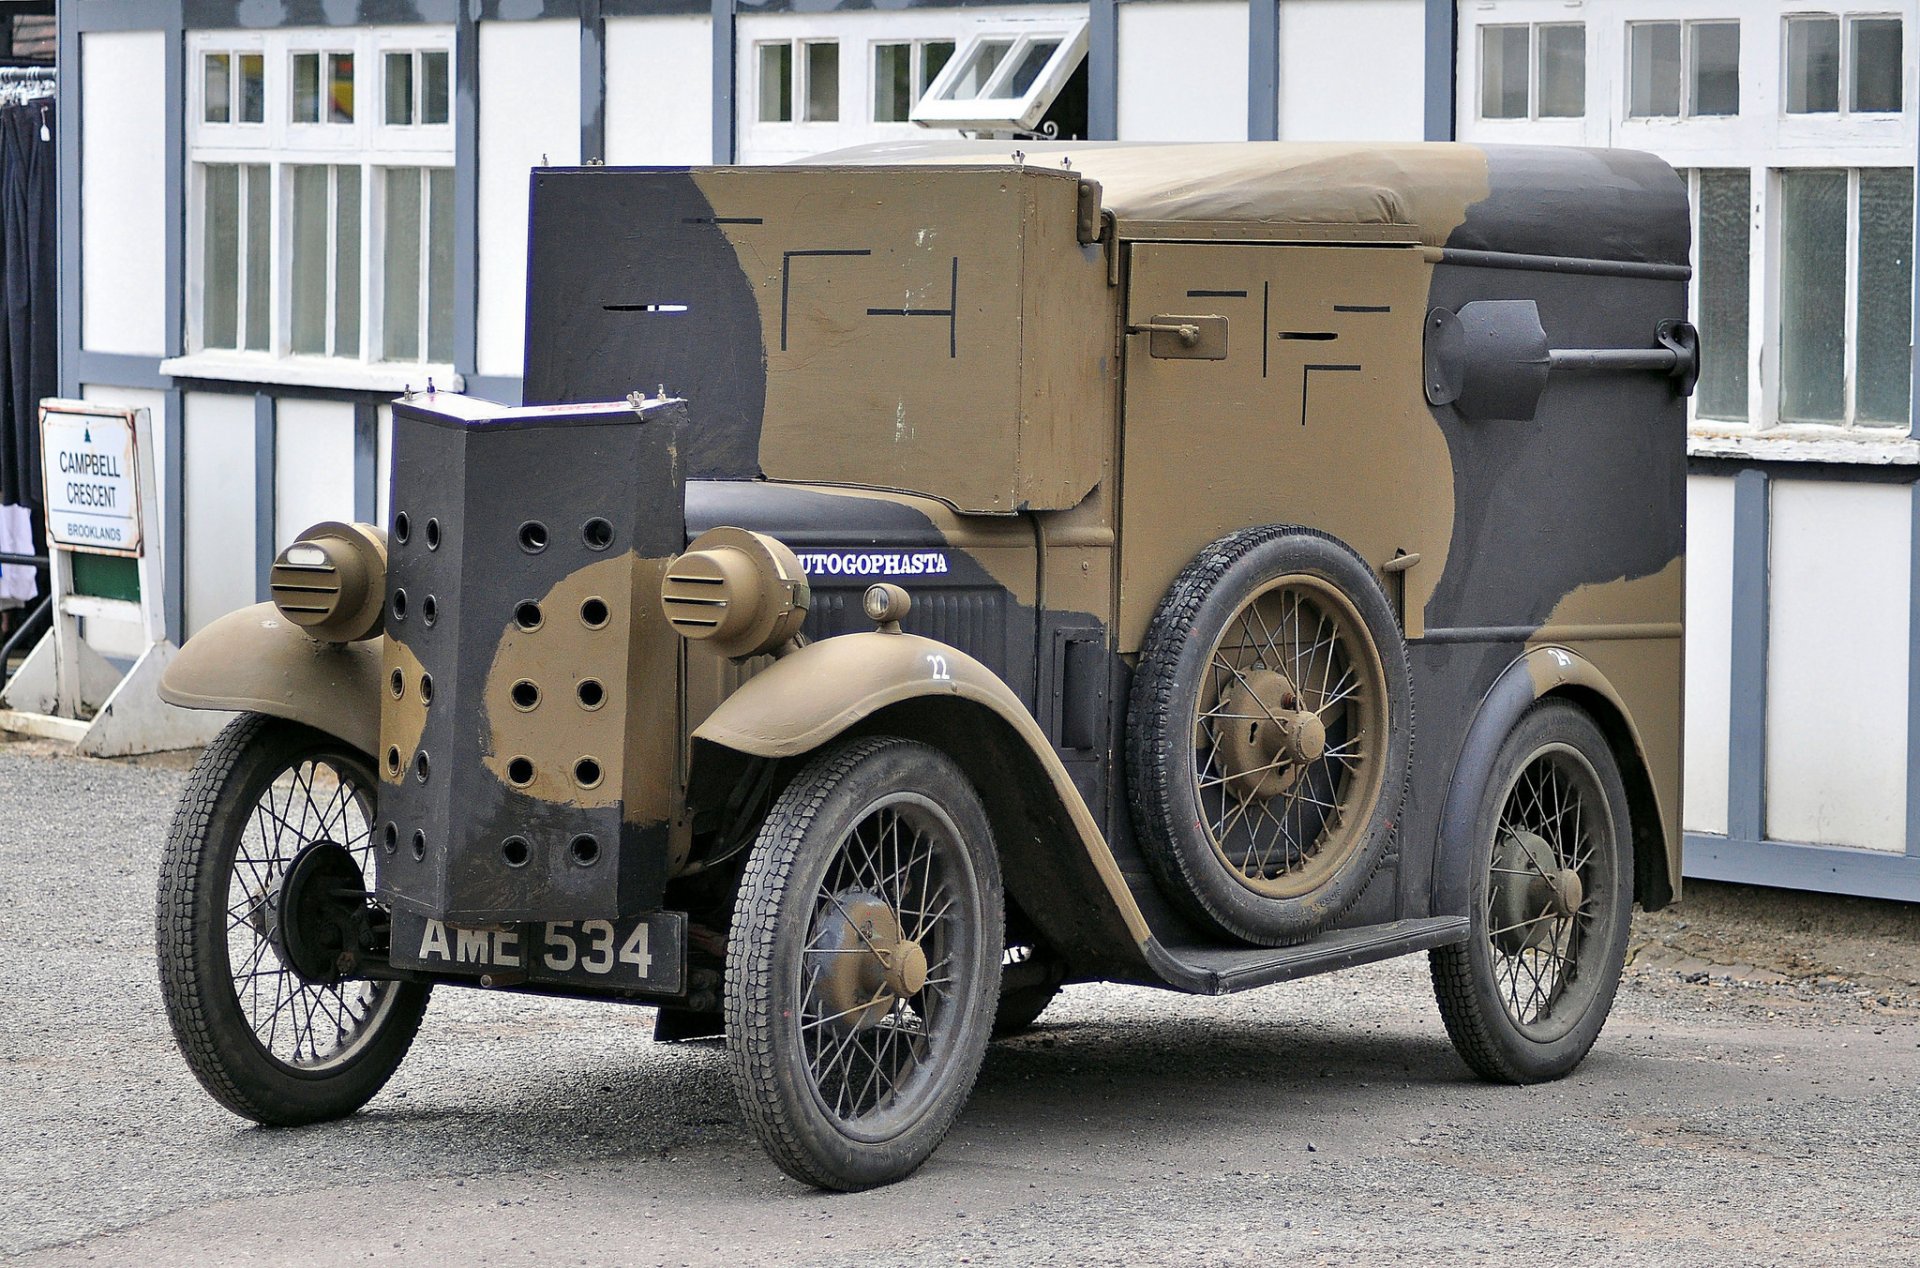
(27, 74)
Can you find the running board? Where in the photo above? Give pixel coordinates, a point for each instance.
(1225, 970)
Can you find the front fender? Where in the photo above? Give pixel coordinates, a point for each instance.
(812, 695)
(256, 661)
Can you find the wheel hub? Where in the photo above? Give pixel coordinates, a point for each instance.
(1267, 740)
(314, 912)
(1530, 891)
(869, 962)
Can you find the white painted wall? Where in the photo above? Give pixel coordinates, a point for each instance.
(1837, 663)
(1183, 71)
(1352, 70)
(123, 174)
(529, 108)
(1709, 644)
(312, 465)
(218, 480)
(660, 90)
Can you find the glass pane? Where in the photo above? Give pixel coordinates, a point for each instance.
(892, 82)
(306, 87)
(978, 69)
(253, 87)
(1725, 243)
(259, 196)
(400, 89)
(1653, 67)
(823, 82)
(1503, 72)
(934, 56)
(220, 257)
(440, 265)
(346, 262)
(308, 267)
(340, 87)
(400, 273)
(219, 88)
(1813, 65)
(1813, 295)
(1563, 71)
(1884, 369)
(1032, 62)
(433, 70)
(1716, 68)
(1876, 65)
(776, 83)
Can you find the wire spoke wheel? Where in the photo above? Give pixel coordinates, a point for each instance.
(864, 963)
(304, 1025)
(1289, 736)
(263, 898)
(1526, 996)
(1269, 733)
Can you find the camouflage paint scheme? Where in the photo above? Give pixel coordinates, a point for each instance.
(913, 364)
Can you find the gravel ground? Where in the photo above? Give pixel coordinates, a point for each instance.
(1751, 1103)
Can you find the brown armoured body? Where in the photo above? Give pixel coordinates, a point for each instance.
(1040, 392)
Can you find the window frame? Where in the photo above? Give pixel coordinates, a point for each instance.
(798, 83)
(281, 145)
(990, 113)
(917, 80)
(1846, 18)
(1533, 66)
(1688, 103)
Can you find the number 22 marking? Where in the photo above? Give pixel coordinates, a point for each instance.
(938, 664)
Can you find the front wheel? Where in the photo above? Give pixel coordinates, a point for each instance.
(1525, 996)
(263, 880)
(864, 963)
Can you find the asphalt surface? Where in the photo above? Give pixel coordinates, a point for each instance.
(1721, 1120)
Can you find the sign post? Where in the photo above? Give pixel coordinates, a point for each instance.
(101, 513)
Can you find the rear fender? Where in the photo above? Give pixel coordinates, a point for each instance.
(256, 661)
(1540, 673)
(1057, 863)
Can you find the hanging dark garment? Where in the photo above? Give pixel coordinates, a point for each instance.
(29, 213)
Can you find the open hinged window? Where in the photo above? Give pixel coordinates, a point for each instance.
(1005, 78)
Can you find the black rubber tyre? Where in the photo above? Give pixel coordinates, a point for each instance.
(1204, 813)
(249, 807)
(1555, 805)
(877, 844)
(1035, 979)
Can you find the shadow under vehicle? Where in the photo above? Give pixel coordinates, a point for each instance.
(1197, 566)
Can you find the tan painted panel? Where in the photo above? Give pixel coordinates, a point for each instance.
(934, 333)
(1315, 416)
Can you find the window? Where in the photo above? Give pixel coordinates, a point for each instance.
(1533, 72)
(1005, 78)
(1724, 200)
(1867, 62)
(1846, 288)
(902, 73)
(811, 96)
(233, 88)
(417, 88)
(1676, 69)
(324, 228)
(323, 100)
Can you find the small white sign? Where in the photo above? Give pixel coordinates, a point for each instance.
(92, 480)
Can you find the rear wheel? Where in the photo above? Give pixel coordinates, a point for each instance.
(1525, 996)
(864, 963)
(264, 879)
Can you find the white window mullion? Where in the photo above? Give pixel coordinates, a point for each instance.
(1850, 358)
(424, 176)
(1765, 391)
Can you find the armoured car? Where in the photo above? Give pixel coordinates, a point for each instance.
(935, 574)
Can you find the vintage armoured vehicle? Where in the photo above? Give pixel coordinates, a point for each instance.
(934, 574)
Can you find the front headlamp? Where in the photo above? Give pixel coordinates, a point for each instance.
(332, 581)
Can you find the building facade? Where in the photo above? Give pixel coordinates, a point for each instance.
(281, 215)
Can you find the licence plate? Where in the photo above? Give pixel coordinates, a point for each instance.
(647, 952)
